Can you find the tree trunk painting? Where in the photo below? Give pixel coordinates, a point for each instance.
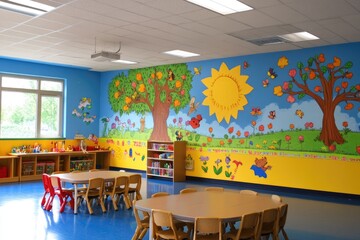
(329, 132)
(160, 113)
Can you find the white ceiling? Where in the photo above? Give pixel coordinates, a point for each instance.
(147, 28)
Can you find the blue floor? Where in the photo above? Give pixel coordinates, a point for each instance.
(21, 217)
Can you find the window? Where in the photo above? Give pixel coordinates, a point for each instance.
(30, 107)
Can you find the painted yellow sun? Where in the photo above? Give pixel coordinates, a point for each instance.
(225, 93)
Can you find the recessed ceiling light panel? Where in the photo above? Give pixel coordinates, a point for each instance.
(223, 7)
(28, 7)
(181, 53)
(124, 62)
(299, 36)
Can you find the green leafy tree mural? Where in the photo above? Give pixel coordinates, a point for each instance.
(335, 86)
(154, 89)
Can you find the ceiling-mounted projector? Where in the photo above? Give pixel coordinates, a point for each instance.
(104, 56)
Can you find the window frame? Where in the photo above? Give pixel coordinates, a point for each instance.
(40, 93)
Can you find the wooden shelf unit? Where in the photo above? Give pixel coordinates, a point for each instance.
(30, 166)
(10, 164)
(166, 160)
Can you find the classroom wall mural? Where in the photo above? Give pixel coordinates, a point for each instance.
(285, 119)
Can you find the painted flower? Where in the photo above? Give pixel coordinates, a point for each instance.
(290, 99)
(261, 128)
(210, 129)
(246, 134)
(238, 133)
(291, 126)
(278, 91)
(345, 124)
(285, 86)
(287, 138)
(292, 73)
(227, 160)
(230, 130)
(253, 123)
(301, 138)
(270, 126)
(113, 125)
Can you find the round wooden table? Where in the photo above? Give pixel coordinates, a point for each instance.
(227, 205)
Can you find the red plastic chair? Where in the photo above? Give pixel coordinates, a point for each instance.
(63, 194)
(48, 192)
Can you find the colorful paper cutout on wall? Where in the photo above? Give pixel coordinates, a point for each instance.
(226, 91)
(260, 167)
(83, 109)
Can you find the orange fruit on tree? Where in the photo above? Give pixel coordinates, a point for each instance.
(128, 100)
(138, 76)
(142, 87)
(176, 103)
(159, 75)
(117, 83)
(116, 95)
(312, 75)
(126, 107)
(344, 84)
(178, 84)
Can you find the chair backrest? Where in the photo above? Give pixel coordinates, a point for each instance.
(207, 226)
(283, 214)
(276, 198)
(269, 221)
(135, 180)
(95, 187)
(160, 194)
(162, 219)
(188, 190)
(122, 181)
(56, 183)
(249, 192)
(249, 226)
(217, 189)
(47, 184)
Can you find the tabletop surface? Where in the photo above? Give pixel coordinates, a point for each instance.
(83, 177)
(227, 205)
